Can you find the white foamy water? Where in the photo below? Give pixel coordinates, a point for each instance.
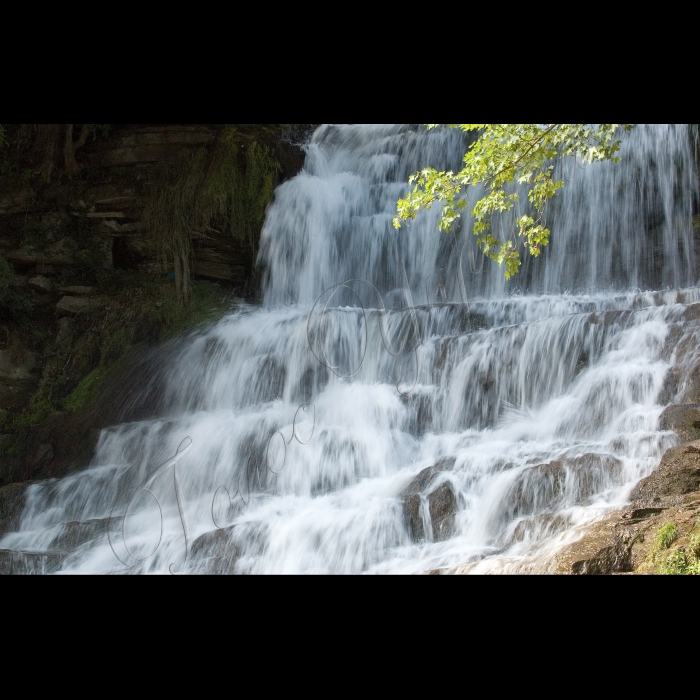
(545, 393)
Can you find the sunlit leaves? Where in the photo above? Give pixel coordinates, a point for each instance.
(503, 157)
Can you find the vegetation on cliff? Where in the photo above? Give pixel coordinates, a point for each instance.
(664, 558)
(228, 186)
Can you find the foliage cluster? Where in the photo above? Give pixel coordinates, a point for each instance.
(503, 157)
(681, 560)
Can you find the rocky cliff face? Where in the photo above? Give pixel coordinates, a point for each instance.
(85, 290)
(109, 193)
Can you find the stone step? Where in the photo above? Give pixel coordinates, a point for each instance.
(71, 535)
(29, 563)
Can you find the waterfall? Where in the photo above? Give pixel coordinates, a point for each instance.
(426, 413)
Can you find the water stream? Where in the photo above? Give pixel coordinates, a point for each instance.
(301, 422)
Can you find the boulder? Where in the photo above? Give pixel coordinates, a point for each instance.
(536, 489)
(442, 504)
(72, 306)
(594, 472)
(215, 552)
(219, 551)
(601, 547)
(42, 285)
(615, 558)
(677, 475)
(683, 419)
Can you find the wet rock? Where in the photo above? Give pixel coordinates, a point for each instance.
(422, 406)
(582, 363)
(544, 487)
(677, 475)
(416, 491)
(219, 551)
(270, 384)
(609, 318)
(539, 526)
(614, 558)
(536, 489)
(72, 306)
(642, 513)
(690, 381)
(413, 517)
(12, 499)
(675, 333)
(28, 563)
(622, 541)
(594, 473)
(42, 285)
(684, 419)
(692, 312)
(601, 547)
(671, 384)
(71, 535)
(442, 504)
(215, 552)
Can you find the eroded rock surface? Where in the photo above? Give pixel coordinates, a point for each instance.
(683, 419)
(677, 475)
(441, 503)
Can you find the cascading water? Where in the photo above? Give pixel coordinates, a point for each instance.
(385, 424)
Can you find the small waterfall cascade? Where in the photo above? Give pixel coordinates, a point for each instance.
(394, 405)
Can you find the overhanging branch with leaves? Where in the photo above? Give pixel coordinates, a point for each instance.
(502, 157)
